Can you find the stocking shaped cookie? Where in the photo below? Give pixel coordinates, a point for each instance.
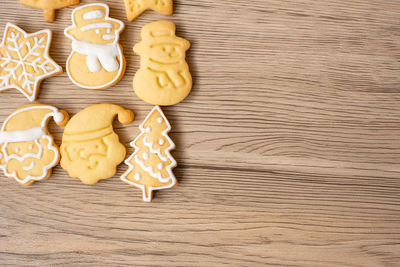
(90, 148)
(96, 61)
(150, 166)
(136, 7)
(163, 78)
(27, 150)
(49, 6)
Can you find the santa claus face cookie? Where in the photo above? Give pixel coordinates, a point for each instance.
(96, 61)
(90, 148)
(163, 78)
(27, 150)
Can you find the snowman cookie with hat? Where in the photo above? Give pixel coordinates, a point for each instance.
(27, 150)
(96, 60)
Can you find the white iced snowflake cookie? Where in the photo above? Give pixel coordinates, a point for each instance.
(150, 166)
(25, 60)
(96, 61)
(27, 150)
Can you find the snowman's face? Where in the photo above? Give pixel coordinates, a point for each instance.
(167, 53)
(98, 33)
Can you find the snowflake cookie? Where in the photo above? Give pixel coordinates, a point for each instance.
(25, 60)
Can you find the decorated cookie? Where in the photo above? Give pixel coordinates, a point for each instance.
(150, 166)
(90, 148)
(49, 6)
(25, 60)
(136, 7)
(96, 61)
(163, 78)
(27, 150)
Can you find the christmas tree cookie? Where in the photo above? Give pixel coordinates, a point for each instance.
(25, 60)
(150, 166)
(90, 148)
(49, 6)
(27, 150)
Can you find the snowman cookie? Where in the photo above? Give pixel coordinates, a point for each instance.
(163, 78)
(90, 148)
(96, 61)
(27, 150)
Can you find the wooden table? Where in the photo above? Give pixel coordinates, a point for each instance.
(288, 146)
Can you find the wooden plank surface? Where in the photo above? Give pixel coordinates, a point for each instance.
(288, 146)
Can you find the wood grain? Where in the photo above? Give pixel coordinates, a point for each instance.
(288, 146)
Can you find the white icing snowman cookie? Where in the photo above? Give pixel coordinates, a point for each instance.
(96, 61)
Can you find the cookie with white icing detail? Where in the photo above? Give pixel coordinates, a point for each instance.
(25, 60)
(96, 61)
(27, 150)
(150, 166)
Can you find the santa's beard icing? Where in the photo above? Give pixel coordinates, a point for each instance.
(30, 160)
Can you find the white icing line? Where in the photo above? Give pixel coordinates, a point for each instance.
(108, 37)
(154, 151)
(21, 136)
(105, 25)
(117, 34)
(32, 86)
(30, 167)
(95, 14)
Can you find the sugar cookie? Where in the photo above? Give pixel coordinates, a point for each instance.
(90, 148)
(27, 150)
(96, 61)
(25, 60)
(163, 78)
(49, 6)
(150, 166)
(136, 7)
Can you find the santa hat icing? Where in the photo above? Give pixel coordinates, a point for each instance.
(101, 117)
(29, 123)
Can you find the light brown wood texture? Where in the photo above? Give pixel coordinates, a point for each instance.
(288, 146)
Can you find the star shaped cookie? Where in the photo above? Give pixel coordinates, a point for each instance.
(25, 60)
(136, 7)
(49, 6)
